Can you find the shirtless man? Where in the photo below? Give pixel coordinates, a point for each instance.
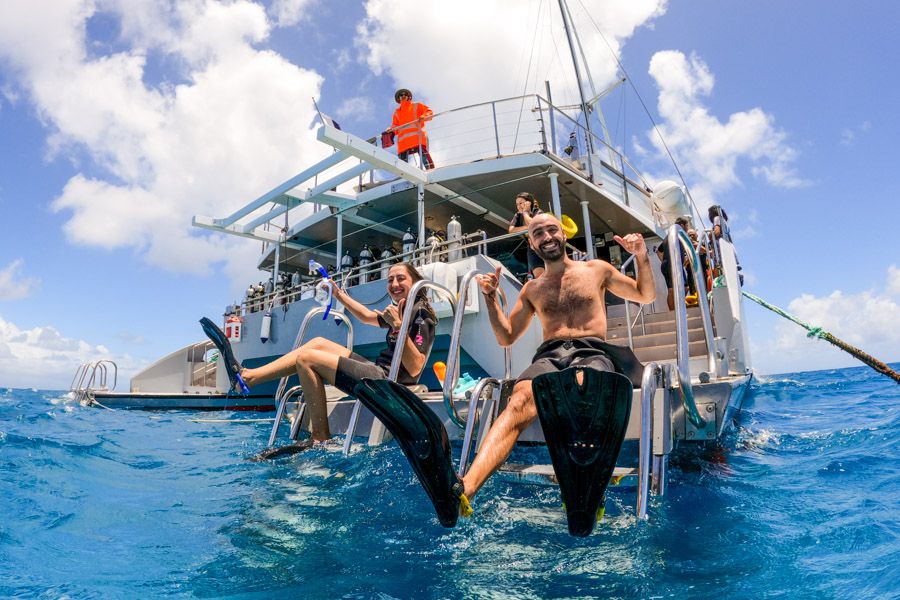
(569, 301)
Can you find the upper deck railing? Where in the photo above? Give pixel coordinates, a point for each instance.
(523, 124)
(498, 128)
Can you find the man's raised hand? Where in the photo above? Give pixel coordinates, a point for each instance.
(633, 243)
(489, 282)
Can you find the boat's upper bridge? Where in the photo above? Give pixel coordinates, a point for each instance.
(364, 195)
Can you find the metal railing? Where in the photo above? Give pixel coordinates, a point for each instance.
(92, 377)
(452, 374)
(650, 382)
(419, 256)
(281, 396)
(398, 353)
(677, 236)
(628, 323)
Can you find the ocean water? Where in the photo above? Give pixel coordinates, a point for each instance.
(802, 500)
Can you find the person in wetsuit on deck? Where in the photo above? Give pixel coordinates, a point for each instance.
(569, 302)
(321, 361)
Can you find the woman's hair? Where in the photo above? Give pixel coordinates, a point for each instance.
(417, 277)
(531, 200)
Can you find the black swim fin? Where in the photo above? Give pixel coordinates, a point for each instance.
(584, 426)
(232, 366)
(280, 451)
(423, 439)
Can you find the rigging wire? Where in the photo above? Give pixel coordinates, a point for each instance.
(534, 36)
(649, 116)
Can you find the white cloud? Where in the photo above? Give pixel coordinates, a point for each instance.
(869, 320)
(12, 285)
(359, 107)
(450, 59)
(289, 12)
(42, 357)
(707, 148)
(234, 121)
(487, 56)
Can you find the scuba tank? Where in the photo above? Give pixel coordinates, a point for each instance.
(266, 328)
(409, 241)
(432, 241)
(454, 234)
(386, 265)
(365, 259)
(346, 265)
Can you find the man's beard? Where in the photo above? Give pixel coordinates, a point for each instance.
(552, 254)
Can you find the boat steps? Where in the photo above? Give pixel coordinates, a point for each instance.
(615, 317)
(667, 352)
(649, 340)
(619, 330)
(543, 473)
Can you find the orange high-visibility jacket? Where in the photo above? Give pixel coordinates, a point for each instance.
(409, 124)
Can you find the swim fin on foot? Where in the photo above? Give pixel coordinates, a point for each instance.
(423, 439)
(232, 366)
(584, 426)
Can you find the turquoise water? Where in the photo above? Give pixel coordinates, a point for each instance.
(800, 502)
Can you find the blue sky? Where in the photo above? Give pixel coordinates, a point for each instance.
(119, 119)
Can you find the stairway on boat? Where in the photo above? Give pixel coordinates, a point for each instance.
(653, 335)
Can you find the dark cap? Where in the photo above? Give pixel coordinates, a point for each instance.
(401, 91)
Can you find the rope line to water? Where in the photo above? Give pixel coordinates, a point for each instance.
(820, 333)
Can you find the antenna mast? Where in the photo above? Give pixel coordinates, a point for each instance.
(566, 17)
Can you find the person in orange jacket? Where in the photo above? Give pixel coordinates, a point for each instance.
(408, 126)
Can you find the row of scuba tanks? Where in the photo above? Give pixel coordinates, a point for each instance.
(434, 239)
(256, 293)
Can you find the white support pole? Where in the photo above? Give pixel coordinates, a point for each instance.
(339, 251)
(421, 214)
(554, 194)
(588, 238)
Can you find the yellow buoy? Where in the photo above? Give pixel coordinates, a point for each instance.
(569, 227)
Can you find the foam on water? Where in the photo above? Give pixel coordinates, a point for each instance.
(800, 501)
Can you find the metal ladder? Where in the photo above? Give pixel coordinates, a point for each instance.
(378, 433)
(91, 377)
(654, 436)
(283, 396)
(654, 444)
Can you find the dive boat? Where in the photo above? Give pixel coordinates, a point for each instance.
(362, 208)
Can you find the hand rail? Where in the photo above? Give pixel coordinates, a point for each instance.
(675, 236)
(472, 420)
(407, 317)
(281, 398)
(78, 371)
(398, 353)
(649, 383)
(452, 373)
(628, 322)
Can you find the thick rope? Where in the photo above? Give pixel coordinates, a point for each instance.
(820, 333)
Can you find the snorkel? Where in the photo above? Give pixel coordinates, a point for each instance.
(315, 267)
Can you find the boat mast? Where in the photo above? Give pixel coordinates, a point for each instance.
(564, 10)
